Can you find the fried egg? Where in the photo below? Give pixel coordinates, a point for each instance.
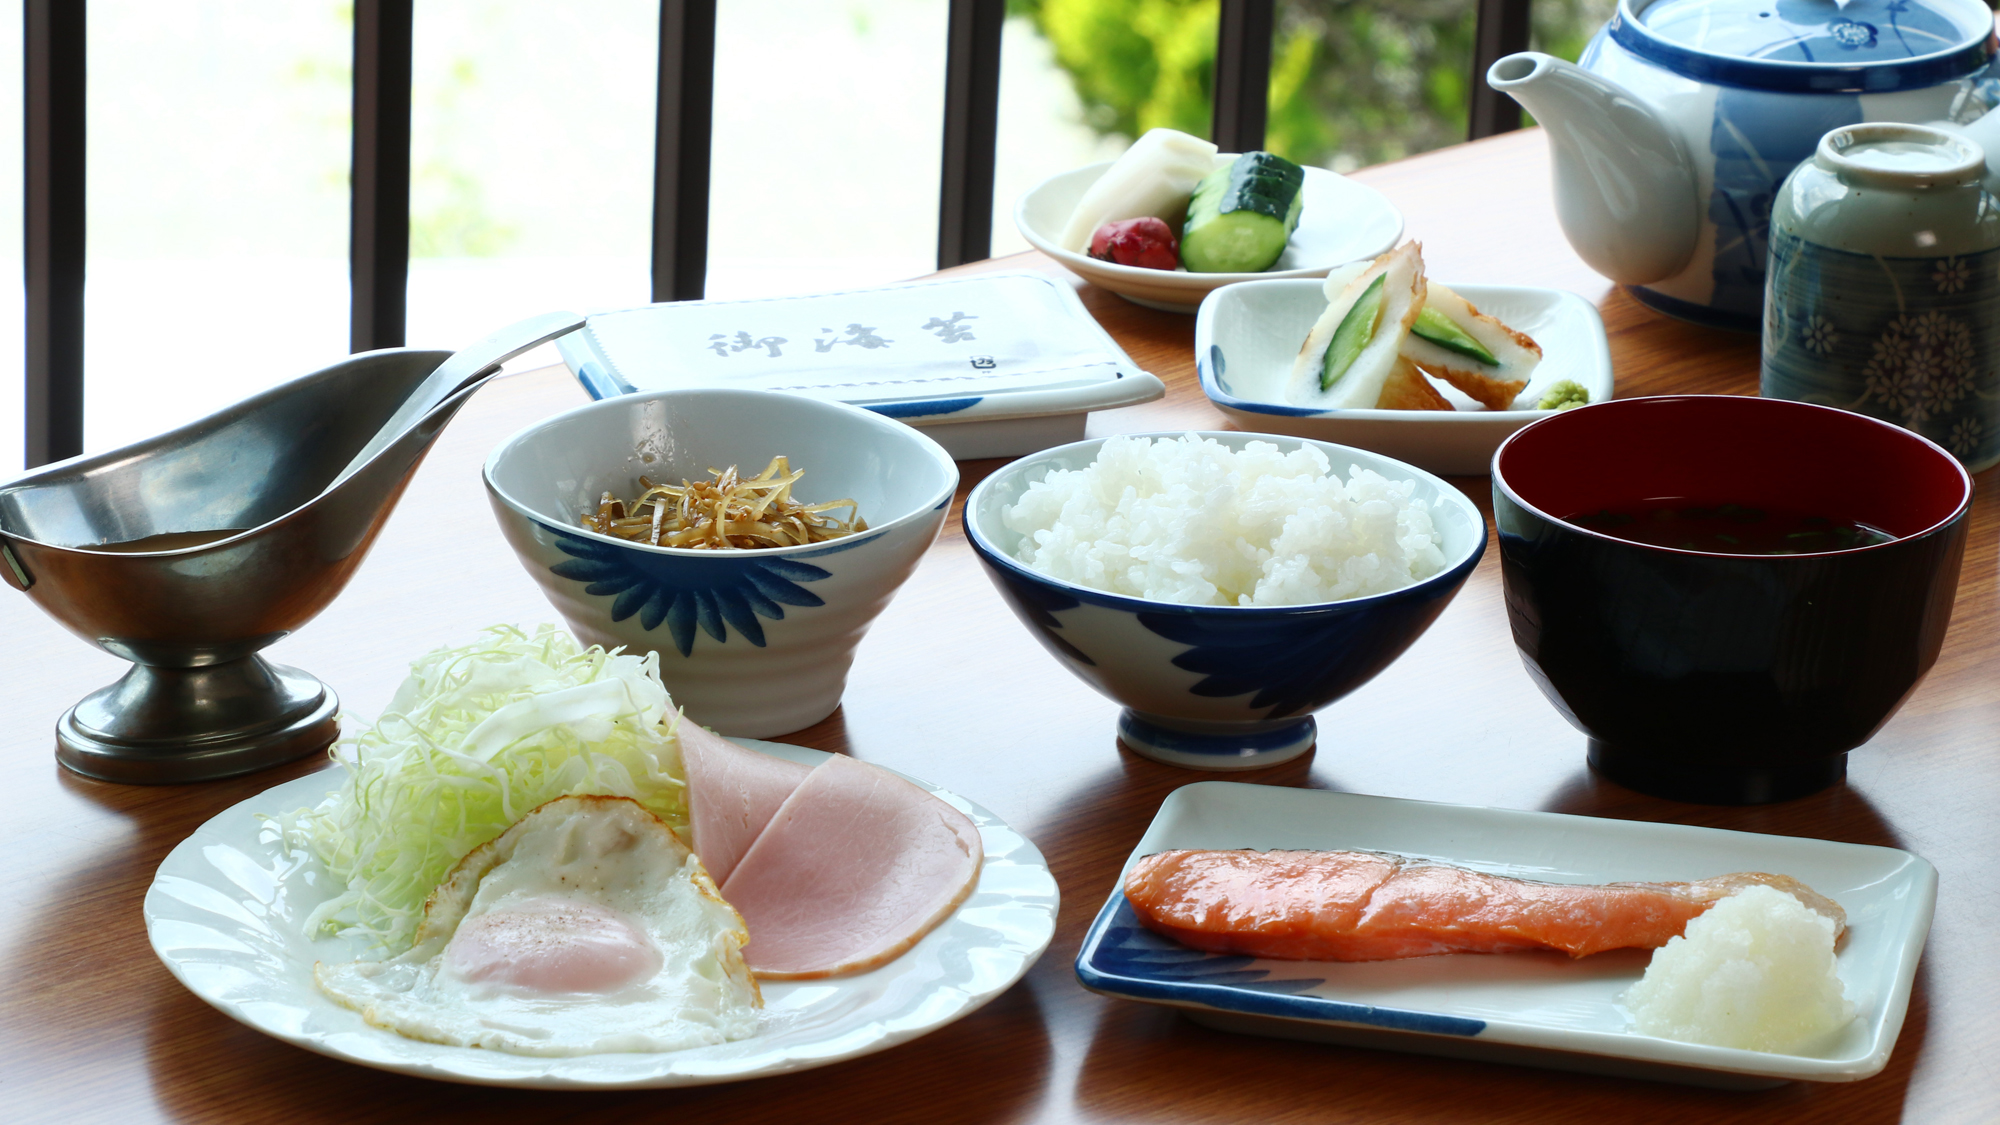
(587, 927)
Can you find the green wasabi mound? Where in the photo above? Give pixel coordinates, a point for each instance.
(1564, 395)
(1756, 972)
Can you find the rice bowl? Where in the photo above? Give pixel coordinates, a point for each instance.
(1221, 686)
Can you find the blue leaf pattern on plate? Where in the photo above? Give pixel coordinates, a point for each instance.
(1123, 958)
(1131, 950)
(715, 594)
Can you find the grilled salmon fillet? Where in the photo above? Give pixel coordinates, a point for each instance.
(1371, 906)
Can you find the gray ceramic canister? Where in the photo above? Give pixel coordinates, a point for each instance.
(1883, 292)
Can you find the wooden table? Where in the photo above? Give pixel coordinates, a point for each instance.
(950, 688)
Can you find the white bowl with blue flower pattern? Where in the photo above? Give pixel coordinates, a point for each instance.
(1220, 687)
(751, 642)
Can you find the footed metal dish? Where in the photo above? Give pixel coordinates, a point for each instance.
(189, 552)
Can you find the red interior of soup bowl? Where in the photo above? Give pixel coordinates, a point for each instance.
(1717, 449)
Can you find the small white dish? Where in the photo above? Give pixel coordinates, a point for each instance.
(225, 910)
(1340, 221)
(1247, 336)
(1528, 1008)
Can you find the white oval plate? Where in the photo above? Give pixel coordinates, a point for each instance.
(224, 915)
(1246, 337)
(1341, 221)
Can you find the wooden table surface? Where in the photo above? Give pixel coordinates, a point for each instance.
(948, 687)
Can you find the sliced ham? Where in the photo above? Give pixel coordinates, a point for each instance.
(855, 867)
(732, 794)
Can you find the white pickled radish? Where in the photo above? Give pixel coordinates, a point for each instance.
(1155, 177)
(1340, 277)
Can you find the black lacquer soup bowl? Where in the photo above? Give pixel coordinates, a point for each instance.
(1720, 677)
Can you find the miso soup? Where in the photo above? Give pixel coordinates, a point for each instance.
(1730, 529)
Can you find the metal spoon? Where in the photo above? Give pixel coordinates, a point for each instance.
(473, 362)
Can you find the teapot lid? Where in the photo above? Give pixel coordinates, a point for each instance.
(1810, 46)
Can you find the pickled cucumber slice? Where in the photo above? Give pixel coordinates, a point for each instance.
(1441, 330)
(1242, 215)
(1356, 329)
(1496, 366)
(1352, 374)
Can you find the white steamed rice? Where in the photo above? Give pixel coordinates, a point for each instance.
(1191, 521)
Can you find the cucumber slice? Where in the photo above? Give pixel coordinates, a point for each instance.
(1356, 329)
(1443, 331)
(1242, 215)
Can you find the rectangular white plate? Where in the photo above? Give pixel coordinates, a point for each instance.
(989, 365)
(1246, 337)
(1538, 1009)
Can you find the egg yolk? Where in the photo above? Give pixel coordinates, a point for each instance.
(552, 945)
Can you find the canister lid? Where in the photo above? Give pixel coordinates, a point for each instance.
(1894, 155)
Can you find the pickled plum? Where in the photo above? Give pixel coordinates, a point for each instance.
(1146, 242)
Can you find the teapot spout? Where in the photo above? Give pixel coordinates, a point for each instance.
(1625, 188)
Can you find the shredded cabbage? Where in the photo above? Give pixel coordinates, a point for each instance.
(475, 739)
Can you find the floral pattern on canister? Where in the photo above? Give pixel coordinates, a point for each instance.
(1915, 341)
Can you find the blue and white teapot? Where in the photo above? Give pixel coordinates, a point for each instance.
(1672, 134)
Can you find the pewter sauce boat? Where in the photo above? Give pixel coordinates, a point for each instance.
(1673, 132)
(188, 552)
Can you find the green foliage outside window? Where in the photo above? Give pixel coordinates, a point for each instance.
(1353, 82)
